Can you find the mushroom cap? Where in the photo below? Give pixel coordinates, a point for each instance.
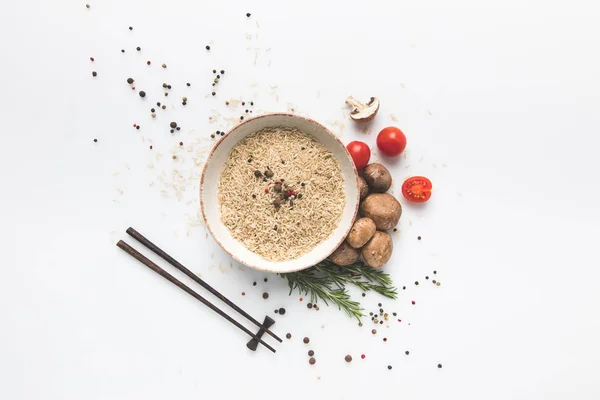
(365, 113)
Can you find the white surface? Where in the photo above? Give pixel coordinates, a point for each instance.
(209, 189)
(499, 101)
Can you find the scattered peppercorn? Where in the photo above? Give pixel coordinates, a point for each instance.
(248, 15)
(222, 133)
(389, 367)
(243, 293)
(364, 294)
(413, 302)
(87, 6)
(222, 72)
(164, 85)
(131, 28)
(426, 277)
(181, 143)
(188, 84)
(241, 117)
(148, 62)
(253, 196)
(95, 140)
(306, 340)
(122, 50)
(164, 107)
(434, 272)
(212, 136)
(164, 65)
(150, 147)
(380, 322)
(214, 71)
(137, 127)
(281, 311)
(288, 335)
(348, 358)
(142, 93)
(374, 331)
(385, 339)
(152, 110)
(138, 48)
(394, 314)
(174, 157)
(214, 93)
(439, 365)
(153, 115)
(257, 173)
(254, 284)
(168, 86)
(311, 353)
(173, 124)
(158, 104)
(418, 237)
(172, 131)
(276, 311)
(417, 283)
(395, 229)
(407, 352)
(362, 356)
(309, 305)
(166, 94)
(403, 287)
(207, 47)
(265, 295)
(94, 73)
(312, 361)
(92, 59)
(251, 103)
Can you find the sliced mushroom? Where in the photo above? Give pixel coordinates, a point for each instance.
(363, 112)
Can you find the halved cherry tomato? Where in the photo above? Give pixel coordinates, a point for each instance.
(360, 152)
(417, 189)
(391, 141)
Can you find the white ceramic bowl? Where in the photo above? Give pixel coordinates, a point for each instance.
(210, 181)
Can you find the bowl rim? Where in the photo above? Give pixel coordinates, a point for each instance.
(221, 139)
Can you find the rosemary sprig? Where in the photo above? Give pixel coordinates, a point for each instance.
(327, 282)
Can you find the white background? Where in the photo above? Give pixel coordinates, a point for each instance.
(500, 103)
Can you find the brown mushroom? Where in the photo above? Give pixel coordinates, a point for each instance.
(344, 255)
(363, 188)
(362, 230)
(383, 209)
(378, 250)
(363, 112)
(377, 177)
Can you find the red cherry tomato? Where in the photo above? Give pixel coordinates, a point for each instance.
(417, 189)
(391, 141)
(360, 152)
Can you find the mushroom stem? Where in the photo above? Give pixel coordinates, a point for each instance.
(355, 103)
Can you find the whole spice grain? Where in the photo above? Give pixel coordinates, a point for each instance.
(254, 284)
(312, 361)
(92, 59)
(131, 28)
(163, 107)
(348, 358)
(389, 367)
(173, 124)
(374, 331)
(142, 94)
(407, 352)
(138, 48)
(265, 295)
(309, 305)
(148, 62)
(439, 365)
(281, 311)
(306, 340)
(266, 279)
(311, 353)
(188, 84)
(164, 65)
(288, 335)
(95, 140)
(248, 15)
(207, 47)
(418, 237)
(94, 73)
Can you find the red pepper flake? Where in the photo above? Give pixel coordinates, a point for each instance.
(243, 293)
(134, 125)
(133, 88)
(148, 62)
(150, 147)
(92, 59)
(181, 143)
(300, 299)
(266, 190)
(226, 103)
(362, 356)
(399, 320)
(414, 302)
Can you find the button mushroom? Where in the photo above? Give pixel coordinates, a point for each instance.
(345, 255)
(378, 177)
(363, 112)
(383, 209)
(362, 230)
(378, 250)
(363, 188)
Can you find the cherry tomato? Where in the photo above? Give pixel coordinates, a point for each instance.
(360, 152)
(391, 141)
(417, 189)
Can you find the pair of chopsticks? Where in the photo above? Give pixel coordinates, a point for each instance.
(154, 248)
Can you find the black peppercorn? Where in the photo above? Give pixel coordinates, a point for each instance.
(306, 340)
(439, 365)
(309, 305)
(188, 84)
(142, 93)
(407, 352)
(222, 133)
(266, 279)
(222, 72)
(288, 335)
(173, 124)
(212, 136)
(311, 353)
(248, 15)
(152, 110)
(254, 284)
(281, 311)
(168, 86)
(138, 48)
(131, 28)
(172, 131)
(207, 47)
(435, 272)
(378, 304)
(265, 295)
(242, 117)
(95, 140)
(251, 103)
(137, 127)
(130, 80)
(122, 50)
(214, 71)
(299, 195)
(94, 73)
(257, 173)
(389, 367)
(403, 287)
(253, 196)
(214, 93)
(417, 283)
(364, 294)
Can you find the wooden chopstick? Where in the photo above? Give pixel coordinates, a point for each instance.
(140, 238)
(141, 258)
